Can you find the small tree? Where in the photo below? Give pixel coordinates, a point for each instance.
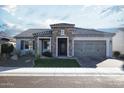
(4, 48)
(10, 48)
(7, 48)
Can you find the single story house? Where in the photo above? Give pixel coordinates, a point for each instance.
(64, 39)
(118, 40)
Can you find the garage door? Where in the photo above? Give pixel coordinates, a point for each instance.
(89, 48)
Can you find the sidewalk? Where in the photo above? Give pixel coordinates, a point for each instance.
(15, 71)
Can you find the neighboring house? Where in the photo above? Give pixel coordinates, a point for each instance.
(118, 41)
(65, 39)
(12, 41)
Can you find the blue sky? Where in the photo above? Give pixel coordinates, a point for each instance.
(15, 19)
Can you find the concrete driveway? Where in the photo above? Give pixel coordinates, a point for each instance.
(100, 62)
(89, 62)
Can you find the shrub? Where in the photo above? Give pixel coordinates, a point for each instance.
(4, 48)
(17, 52)
(121, 56)
(7, 48)
(10, 48)
(47, 54)
(28, 53)
(116, 53)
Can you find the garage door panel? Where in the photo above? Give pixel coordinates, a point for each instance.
(89, 48)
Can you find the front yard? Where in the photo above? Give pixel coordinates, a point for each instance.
(55, 62)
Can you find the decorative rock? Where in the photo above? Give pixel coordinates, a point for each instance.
(14, 57)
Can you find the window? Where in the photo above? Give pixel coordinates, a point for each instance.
(22, 44)
(26, 45)
(62, 32)
(46, 45)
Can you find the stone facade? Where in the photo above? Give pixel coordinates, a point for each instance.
(56, 32)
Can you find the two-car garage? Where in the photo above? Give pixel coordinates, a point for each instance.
(90, 48)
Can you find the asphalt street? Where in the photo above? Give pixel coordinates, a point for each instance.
(62, 81)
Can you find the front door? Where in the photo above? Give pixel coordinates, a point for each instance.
(62, 46)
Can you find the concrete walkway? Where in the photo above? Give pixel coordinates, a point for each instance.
(111, 63)
(14, 71)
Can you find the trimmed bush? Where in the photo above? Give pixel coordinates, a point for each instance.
(121, 56)
(116, 53)
(47, 54)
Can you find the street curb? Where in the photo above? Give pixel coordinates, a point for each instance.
(15, 71)
(61, 74)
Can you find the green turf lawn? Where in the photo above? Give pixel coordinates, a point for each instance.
(54, 62)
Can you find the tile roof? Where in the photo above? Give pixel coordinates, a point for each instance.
(31, 32)
(83, 31)
(62, 25)
(43, 33)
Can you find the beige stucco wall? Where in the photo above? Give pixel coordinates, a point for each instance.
(118, 42)
(18, 45)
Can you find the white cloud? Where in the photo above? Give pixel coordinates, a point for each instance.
(92, 17)
(43, 24)
(19, 18)
(10, 9)
(47, 22)
(84, 16)
(12, 25)
(51, 21)
(8, 23)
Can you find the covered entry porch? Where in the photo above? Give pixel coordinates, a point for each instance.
(62, 46)
(43, 45)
